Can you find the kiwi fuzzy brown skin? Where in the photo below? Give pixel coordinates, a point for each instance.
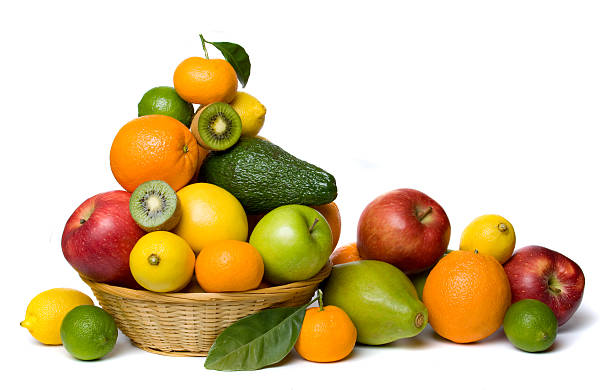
(137, 213)
(195, 129)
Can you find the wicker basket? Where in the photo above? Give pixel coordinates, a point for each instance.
(187, 324)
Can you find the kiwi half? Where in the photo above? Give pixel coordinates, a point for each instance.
(217, 126)
(155, 206)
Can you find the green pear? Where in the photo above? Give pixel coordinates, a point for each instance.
(380, 299)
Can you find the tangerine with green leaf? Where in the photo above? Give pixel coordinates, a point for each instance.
(327, 334)
(205, 80)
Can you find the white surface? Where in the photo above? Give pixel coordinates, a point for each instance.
(487, 107)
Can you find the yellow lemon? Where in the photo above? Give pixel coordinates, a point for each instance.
(491, 235)
(162, 262)
(47, 310)
(252, 113)
(210, 213)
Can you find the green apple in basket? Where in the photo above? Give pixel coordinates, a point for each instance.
(295, 242)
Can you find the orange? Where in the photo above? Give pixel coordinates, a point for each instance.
(154, 147)
(467, 295)
(205, 81)
(229, 265)
(327, 335)
(345, 254)
(332, 214)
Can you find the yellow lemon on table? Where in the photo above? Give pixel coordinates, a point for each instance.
(162, 262)
(210, 213)
(47, 310)
(251, 112)
(491, 235)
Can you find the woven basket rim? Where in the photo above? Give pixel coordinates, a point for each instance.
(263, 293)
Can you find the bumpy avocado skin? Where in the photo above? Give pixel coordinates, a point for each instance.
(263, 176)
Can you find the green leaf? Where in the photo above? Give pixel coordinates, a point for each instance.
(257, 341)
(237, 57)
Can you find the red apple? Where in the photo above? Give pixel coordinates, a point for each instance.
(405, 228)
(99, 237)
(539, 273)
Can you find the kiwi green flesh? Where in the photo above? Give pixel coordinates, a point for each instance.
(154, 206)
(219, 126)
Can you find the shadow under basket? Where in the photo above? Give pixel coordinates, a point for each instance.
(187, 324)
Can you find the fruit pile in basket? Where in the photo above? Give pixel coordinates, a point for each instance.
(207, 205)
(210, 207)
(203, 194)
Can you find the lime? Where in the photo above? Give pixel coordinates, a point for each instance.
(530, 325)
(88, 332)
(165, 101)
(491, 235)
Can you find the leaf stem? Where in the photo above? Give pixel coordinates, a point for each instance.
(204, 46)
(320, 299)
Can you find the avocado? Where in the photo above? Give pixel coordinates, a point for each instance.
(379, 298)
(263, 176)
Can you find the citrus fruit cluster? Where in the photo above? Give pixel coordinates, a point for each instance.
(64, 316)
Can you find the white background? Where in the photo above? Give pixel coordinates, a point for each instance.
(488, 107)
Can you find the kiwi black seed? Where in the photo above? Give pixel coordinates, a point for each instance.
(155, 206)
(219, 126)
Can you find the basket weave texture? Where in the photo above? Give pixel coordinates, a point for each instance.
(187, 324)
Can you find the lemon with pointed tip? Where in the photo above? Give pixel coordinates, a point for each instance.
(490, 235)
(47, 310)
(252, 113)
(162, 262)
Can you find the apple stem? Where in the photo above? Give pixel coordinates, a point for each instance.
(502, 227)
(320, 299)
(554, 285)
(82, 221)
(425, 213)
(313, 225)
(153, 259)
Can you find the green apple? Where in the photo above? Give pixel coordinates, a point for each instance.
(295, 242)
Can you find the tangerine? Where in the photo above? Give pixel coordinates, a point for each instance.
(327, 335)
(332, 214)
(229, 265)
(205, 81)
(345, 254)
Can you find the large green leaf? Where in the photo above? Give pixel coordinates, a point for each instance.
(258, 340)
(237, 57)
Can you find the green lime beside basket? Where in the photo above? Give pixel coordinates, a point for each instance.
(530, 325)
(88, 332)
